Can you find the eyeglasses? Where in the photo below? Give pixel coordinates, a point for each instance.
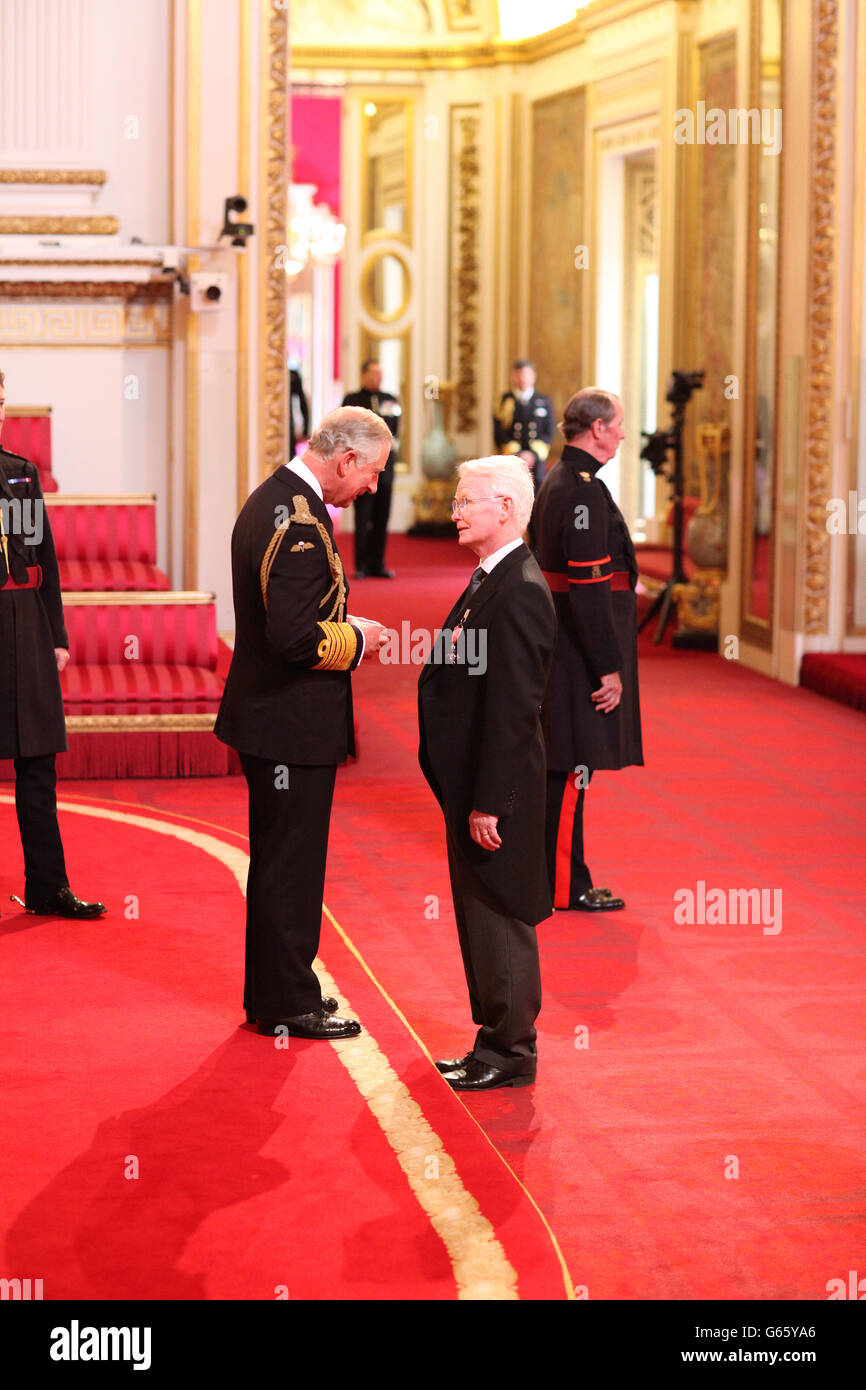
(460, 507)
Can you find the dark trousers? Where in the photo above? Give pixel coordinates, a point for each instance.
(36, 806)
(566, 867)
(371, 523)
(500, 958)
(290, 812)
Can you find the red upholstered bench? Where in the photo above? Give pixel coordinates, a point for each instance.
(27, 432)
(141, 654)
(106, 543)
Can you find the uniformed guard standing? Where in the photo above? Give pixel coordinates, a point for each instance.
(525, 421)
(591, 711)
(34, 649)
(371, 513)
(287, 707)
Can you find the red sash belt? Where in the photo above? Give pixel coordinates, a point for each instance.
(558, 583)
(34, 579)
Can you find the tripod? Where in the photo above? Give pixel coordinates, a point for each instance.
(655, 452)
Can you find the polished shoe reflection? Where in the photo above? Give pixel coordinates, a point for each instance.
(65, 904)
(480, 1076)
(453, 1064)
(598, 900)
(320, 1024)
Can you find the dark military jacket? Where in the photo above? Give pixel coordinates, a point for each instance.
(521, 425)
(585, 550)
(482, 746)
(288, 694)
(380, 402)
(31, 620)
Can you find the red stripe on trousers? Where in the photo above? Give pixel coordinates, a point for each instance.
(564, 836)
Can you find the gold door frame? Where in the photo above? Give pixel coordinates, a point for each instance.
(756, 630)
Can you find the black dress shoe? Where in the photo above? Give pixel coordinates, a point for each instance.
(65, 904)
(382, 574)
(360, 574)
(320, 1024)
(598, 900)
(480, 1076)
(454, 1064)
(328, 1004)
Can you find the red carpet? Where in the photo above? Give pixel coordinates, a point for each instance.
(696, 1129)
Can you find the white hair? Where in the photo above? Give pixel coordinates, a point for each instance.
(350, 427)
(508, 477)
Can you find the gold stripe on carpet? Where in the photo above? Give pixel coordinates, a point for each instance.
(481, 1268)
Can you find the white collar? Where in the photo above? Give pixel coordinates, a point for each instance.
(524, 396)
(298, 466)
(500, 554)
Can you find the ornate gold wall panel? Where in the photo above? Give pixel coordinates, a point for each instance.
(819, 379)
(716, 237)
(464, 264)
(272, 230)
(556, 284)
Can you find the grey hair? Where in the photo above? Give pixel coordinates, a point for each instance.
(350, 427)
(2, 378)
(508, 476)
(586, 406)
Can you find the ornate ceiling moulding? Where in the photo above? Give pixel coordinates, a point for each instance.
(86, 289)
(491, 54)
(91, 177)
(59, 226)
(820, 378)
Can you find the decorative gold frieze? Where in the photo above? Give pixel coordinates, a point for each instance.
(465, 267)
(62, 177)
(820, 384)
(61, 325)
(274, 212)
(59, 226)
(148, 290)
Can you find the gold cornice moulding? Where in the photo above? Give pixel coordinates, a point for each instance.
(54, 176)
(86, 289)
(59, 226)
(493, 53)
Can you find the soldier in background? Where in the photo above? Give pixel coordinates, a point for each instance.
(372, 511)
(525, 422)
(34, 649)
(591, 710)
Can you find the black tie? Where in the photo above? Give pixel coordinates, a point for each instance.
(478, 576)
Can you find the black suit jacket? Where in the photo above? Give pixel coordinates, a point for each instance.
(32, 722)
(288, 695)
(482, 746)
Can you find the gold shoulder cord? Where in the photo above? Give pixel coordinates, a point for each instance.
(302, 516)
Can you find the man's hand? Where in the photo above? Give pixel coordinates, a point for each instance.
(609, 693)
(375, 635)
(528, 457)
(61, 656)
(483, 830)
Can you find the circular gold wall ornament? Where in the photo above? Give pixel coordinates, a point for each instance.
(386, 284)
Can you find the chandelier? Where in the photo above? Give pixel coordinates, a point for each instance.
(314, 232)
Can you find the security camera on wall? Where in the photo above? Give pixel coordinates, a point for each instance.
(207, 290)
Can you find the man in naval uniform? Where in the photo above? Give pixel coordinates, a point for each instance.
(34, 649)
(287, 707)
(525, 422)
(591, 710)
(372, 512)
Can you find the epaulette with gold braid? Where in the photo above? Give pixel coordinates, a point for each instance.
(302, 516)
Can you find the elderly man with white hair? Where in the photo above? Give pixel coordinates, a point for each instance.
(482, 752)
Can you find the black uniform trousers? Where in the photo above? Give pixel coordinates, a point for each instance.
(372, 510)
(500, 958)
(566, 866)
(289, 815)
(36, 807)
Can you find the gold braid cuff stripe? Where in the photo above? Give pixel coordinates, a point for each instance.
(338, 648)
